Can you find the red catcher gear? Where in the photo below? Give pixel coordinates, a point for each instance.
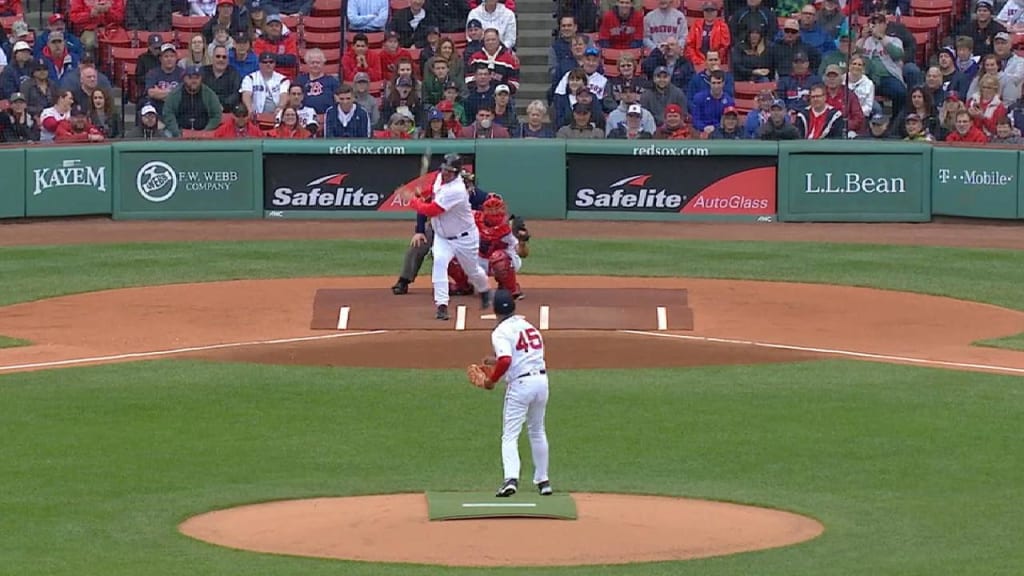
(458, 279)
(492, 222)
(503, 270)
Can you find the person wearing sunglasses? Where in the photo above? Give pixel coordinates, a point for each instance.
(223, 79)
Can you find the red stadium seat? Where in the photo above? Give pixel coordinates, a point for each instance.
(330, 24)
(458, 38)
(377, 88)
(320, 40)
(188, 24)
(399, 4)
(376, 39)
(752, 89)
(197, 134)
(692, 9)
(612, 55)
(327, 8)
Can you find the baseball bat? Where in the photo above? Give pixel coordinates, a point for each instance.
(425, 162)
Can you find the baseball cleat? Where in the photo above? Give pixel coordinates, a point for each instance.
(461, 291)
(507, 489)
(545, 488)
(485, 299)
(442, 312)
(400, 287)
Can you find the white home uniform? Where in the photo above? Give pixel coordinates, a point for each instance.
(266, 92)
(526, 394)
(455, 236)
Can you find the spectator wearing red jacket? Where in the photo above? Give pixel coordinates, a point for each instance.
(89, 15)
(77, 128)
(966, 131)
(361, 59)
(284, 46)
(710, 33)
(237, 125)
(289, 128)
(502, 64)
(622, 27)
(390, 54)
(11, 8)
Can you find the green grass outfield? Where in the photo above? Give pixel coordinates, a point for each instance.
(912, 470)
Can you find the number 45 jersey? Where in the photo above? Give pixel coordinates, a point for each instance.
(517, 338)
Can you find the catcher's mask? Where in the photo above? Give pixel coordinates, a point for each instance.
(494, 210)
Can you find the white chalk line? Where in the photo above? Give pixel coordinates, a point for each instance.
(835, 351)
(499, 505)
(172, 351)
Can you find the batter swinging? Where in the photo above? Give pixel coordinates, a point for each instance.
(519, 352)
(455, 233)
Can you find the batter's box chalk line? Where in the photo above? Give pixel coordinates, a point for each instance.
(834, 351)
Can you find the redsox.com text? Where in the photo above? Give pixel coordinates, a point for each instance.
(355, 149)
(653, 150)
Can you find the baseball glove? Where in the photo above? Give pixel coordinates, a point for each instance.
(519, 229)
(479, 376)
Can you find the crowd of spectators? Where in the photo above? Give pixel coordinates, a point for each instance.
(449, 69)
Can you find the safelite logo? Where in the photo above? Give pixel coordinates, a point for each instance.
(631, 192)
(327, 191)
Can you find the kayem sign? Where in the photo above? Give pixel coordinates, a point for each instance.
(330, 184)
(64, 181)
(740, 186)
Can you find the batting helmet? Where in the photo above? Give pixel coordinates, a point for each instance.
(452, 163)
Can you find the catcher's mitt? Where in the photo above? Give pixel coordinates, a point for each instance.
(519, 229)
(479, 376)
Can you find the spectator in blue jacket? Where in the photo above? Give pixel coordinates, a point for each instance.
(17, 71)
(560, 56)
(346, 119)
(813, 34)
(707, 106)
(795, 87)
(56, 24)
(671, 57)
(241, 57)
(702, 80)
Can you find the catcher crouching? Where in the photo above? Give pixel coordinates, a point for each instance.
(504, 242)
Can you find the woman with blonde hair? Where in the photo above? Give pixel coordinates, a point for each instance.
(987, 106)
(536, 124)
(102, 114)
(197, 54)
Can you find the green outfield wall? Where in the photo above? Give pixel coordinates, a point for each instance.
(793, 181)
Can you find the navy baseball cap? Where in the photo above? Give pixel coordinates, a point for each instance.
(504, 303)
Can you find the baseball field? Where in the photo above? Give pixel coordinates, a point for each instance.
(863, 376)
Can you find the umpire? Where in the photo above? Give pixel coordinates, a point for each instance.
(423, 239)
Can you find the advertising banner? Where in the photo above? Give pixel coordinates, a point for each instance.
(316, 186)
(671, 188)
(12, 195)
(975, 182)
(68, 180)
(854, 182)
(209, 180)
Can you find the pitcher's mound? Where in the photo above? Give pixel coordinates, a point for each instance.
(610, 529)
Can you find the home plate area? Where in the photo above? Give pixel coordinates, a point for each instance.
(546, 308)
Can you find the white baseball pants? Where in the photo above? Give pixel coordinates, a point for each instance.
(526, 400)
(463, 248)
